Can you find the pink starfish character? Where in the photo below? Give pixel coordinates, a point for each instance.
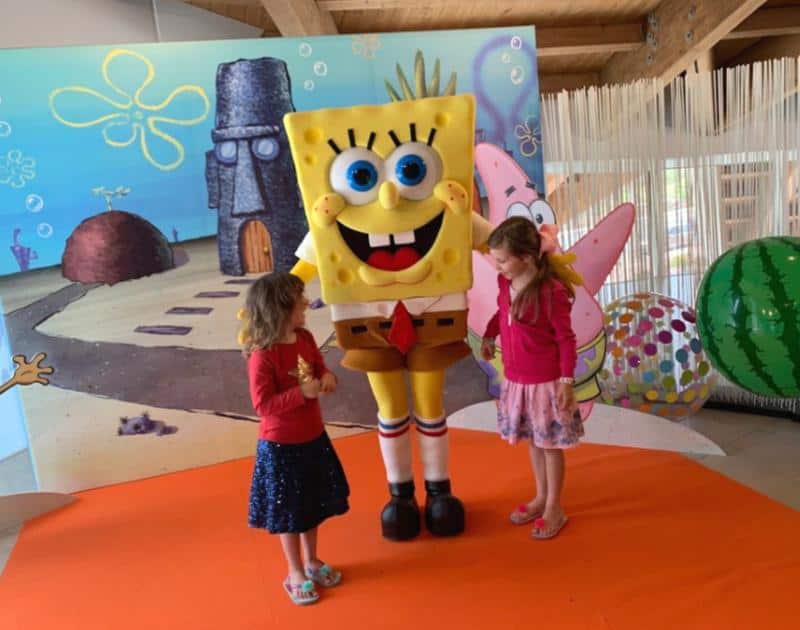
(511, 193)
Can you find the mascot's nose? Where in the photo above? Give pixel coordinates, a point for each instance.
(388, 195)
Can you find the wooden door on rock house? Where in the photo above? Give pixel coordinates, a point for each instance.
(255, 247)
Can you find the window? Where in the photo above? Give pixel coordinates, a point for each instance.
(744, 191)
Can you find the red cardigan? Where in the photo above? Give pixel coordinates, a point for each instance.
(286, 415)
(535, 351)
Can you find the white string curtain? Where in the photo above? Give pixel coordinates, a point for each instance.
(709, 161)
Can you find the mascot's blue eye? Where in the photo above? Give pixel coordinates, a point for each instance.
(410, 170)
(415, 168)
(362, 175)
(356, 174)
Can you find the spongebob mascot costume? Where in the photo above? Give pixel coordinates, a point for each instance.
(387, 192)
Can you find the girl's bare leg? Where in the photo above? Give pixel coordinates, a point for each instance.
(553, 512)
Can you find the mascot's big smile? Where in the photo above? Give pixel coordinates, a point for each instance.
(392, 252)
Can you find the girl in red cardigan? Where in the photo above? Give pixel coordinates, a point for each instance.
(298, 481)
(537, 402)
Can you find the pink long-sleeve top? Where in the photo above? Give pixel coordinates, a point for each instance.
(535, 349)
(286, 415)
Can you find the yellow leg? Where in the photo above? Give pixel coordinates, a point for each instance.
(428, 392)
(389, 390)
(428, 389)
(444, 513)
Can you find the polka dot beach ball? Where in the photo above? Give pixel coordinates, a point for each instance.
(655, 362)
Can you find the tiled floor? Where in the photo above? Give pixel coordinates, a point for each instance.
(763, 453)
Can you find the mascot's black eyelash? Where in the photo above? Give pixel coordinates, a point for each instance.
(351, 136)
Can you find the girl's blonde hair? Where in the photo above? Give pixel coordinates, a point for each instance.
(520, 238)
(269, 304)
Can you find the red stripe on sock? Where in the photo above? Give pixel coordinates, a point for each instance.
(394, 435)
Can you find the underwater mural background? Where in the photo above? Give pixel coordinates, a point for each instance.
(143, 186)
(77, 119)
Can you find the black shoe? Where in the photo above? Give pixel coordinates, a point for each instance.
(400, 517)
(444, 513)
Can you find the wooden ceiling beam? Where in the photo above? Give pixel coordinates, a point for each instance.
(768, 23)
(373, 5)
(378, 5)
(766, 49)
(560, 41)
(682, 31)
(299, 18)
(550, 83)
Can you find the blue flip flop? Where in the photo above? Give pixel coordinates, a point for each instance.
(324, 576)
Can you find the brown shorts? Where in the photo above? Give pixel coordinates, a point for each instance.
(440, 343)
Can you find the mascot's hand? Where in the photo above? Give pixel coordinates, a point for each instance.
(304, 270)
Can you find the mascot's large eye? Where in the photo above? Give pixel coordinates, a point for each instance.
(362, 176)
(542, 213)
(265, 148)
(356, 174)
(225, 152)
(415, 168)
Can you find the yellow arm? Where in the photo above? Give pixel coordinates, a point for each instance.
(304, 270)
(481, 229)
(562, 267)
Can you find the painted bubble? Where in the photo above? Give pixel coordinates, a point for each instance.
(34, 203)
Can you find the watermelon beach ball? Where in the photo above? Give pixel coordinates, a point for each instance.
(749, 315)
(655, 362)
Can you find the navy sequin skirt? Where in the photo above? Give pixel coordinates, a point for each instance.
(296, 486)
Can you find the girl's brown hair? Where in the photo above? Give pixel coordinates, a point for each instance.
(520, 238)
(269, 304)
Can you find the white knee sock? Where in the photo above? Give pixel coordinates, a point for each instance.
(433, 447)
(395, 440)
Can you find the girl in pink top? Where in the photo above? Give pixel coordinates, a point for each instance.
(537, 402)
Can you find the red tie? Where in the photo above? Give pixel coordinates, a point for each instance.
(402, 334)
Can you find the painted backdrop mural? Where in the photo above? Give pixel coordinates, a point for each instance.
(141, 117)
(149, 183)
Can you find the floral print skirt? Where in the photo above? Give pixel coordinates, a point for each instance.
(530, 412)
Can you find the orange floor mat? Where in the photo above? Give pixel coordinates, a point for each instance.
(654, 541)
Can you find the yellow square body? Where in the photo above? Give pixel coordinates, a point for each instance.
(387, 192)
